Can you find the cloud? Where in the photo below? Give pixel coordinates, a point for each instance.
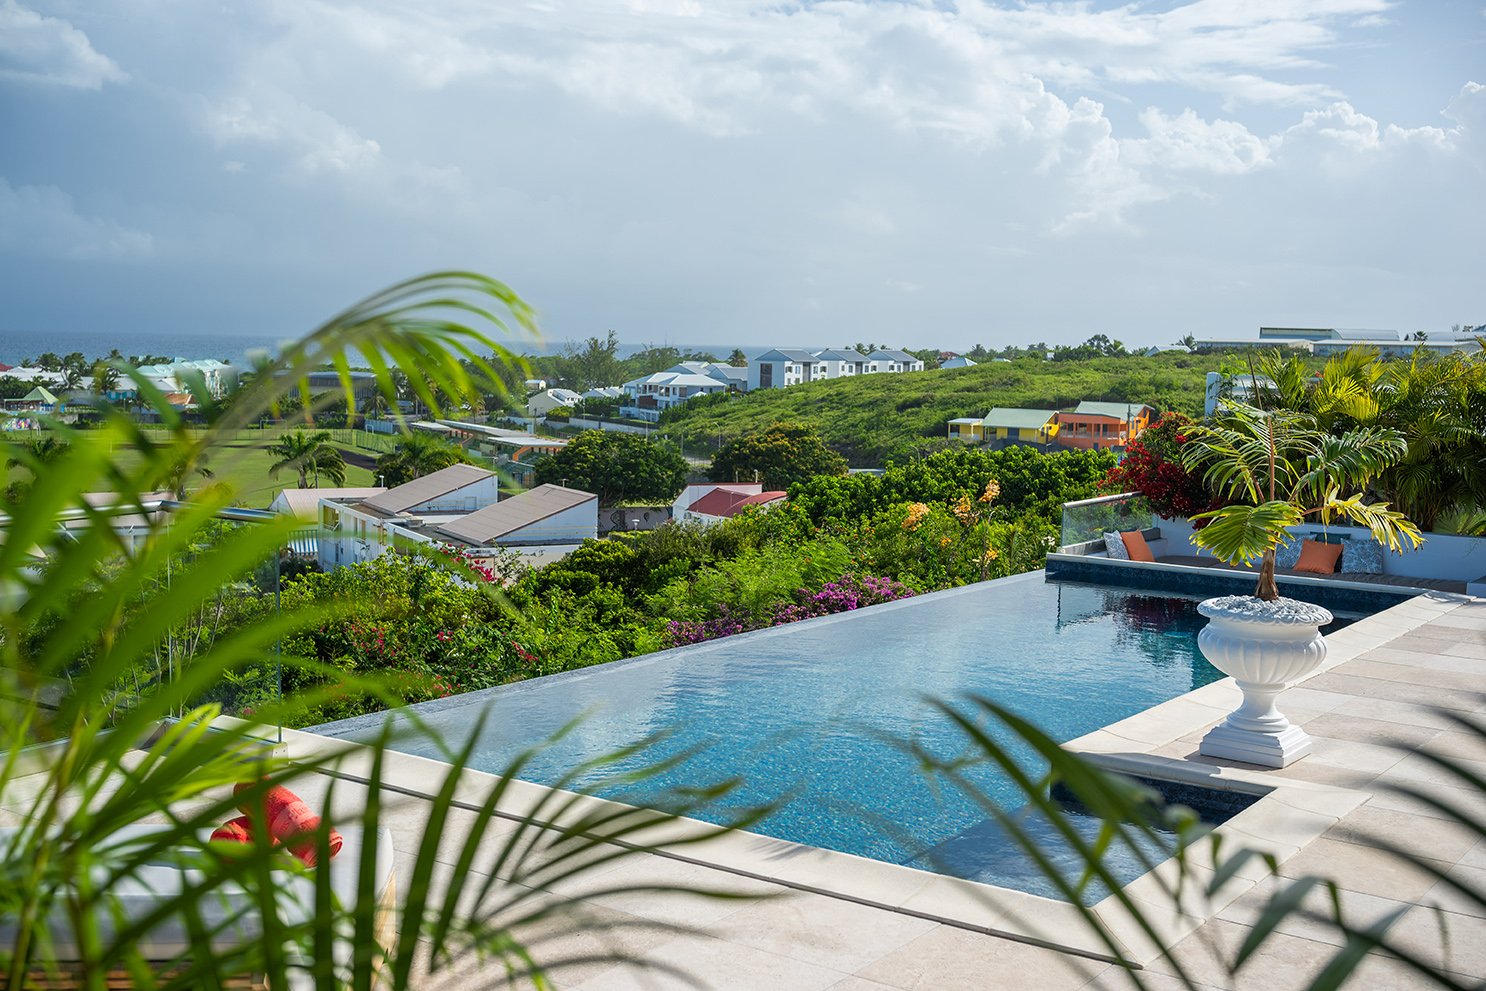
(42, 221)
(318, 143)
(50, 51)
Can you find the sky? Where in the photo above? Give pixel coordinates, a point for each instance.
(735, 172)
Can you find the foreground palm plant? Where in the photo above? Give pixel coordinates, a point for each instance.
(112, 770)
(1134, 821)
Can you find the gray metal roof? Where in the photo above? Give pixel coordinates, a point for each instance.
(1118, 411)
(1015, 418)
(421, 490)
(840, 354)
(787, 354)
(892, 354)
(493, 522)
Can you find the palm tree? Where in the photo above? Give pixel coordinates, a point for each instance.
(1279, 468)
(419, 454)
(105, 378)
(72, 378)
(309, 454)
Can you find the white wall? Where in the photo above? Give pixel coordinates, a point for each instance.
(466, 499)
(571, 526)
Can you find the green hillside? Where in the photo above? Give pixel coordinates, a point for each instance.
(875, 417)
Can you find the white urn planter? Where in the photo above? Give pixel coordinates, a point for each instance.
(1265, 647)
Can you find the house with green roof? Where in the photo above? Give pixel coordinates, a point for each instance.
(1027, 426)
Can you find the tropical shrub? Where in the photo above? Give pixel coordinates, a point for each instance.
(1153, 467)
(779, 456)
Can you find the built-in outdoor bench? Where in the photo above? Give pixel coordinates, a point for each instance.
(1392, 581)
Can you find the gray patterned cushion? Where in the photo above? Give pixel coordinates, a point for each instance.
(1114, 546)
(1363, 556)
(1288, 554)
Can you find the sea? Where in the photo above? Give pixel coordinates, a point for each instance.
(236, 349)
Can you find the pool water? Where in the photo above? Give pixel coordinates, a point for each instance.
(806, 714)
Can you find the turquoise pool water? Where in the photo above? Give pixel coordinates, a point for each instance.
(804, 713)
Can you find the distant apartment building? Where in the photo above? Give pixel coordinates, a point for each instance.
(1326, 341)
(783, 367)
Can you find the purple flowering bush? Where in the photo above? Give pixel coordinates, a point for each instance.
(842, 595)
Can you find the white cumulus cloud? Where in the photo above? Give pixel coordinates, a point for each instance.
(38, 49)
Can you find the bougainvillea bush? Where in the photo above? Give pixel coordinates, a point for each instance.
(1152, 466)
(842, 595)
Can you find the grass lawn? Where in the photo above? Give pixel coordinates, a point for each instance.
(245, 463)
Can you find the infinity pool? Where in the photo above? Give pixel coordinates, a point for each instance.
(805, 714)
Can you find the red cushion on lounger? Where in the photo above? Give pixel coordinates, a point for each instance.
(1319, 558)
(1136, 546)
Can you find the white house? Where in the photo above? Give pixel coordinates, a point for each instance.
(651, 394)
(697, 490)
(842, 362)
(452, 490)
(548, 400)
(726, 501)
(888, 360)
(605, 392)
(782, 367)
(544, 516)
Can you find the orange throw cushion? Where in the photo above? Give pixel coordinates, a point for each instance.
(1319, 558)
(1136, 546)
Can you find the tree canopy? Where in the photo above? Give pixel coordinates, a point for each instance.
(617, 467)
(778, 457)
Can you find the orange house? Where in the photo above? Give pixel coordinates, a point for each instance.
(1103, 424)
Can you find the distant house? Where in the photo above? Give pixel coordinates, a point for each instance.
(546, 515)
(958, 361)
(842, 362)
(1009, 424)
(1030, 426)
(735, 377)
(1326, 341)
(652, 394)
(697, 490)
(605, 392)
(1101, 425)
(888, 360)
(727, 501)
(455, 489)
(548, 400)
(783, 367)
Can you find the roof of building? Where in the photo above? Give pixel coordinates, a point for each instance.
(892, 354)
(520, 511)
(787, 354)
(958, 361)
(840, 354)
(304, 504)
(1015, 418)
(730, 372)
(763, 498)
(1118, 411)
(39, 395)
(604, 392)
(967, 419)
(565, 396)
(429, 487)
(724, 501)
(675, 379)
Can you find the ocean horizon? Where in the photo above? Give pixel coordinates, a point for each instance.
(95, 344)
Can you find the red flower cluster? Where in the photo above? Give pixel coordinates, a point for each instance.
(1152, 467)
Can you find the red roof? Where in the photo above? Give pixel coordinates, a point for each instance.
(724, 502)
(761, 499)
(4, 367)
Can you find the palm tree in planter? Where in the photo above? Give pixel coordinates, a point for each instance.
(1279, 469)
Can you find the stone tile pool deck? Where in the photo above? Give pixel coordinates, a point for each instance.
(1382, 689)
